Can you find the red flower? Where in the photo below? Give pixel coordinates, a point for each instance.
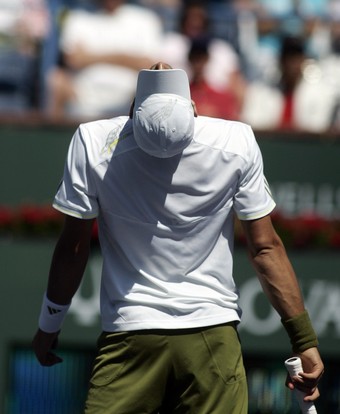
(306, 231)
(6, 217)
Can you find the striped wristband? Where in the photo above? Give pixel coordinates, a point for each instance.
(52, 315)
(300, 331)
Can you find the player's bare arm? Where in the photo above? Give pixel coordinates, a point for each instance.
(273, 267)
(69, 259)
(280, 285)
(68, 264)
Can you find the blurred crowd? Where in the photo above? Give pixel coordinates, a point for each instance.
(271, 64)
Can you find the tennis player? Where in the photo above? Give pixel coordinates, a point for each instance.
(165, 185)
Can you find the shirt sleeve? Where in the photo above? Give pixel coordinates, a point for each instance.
(76, 194)
(253, 198)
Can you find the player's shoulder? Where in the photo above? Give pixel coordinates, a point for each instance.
(230, 137)
(97, 134)
(105, 138)
(101, 127)
(220, 122)
(225, 134)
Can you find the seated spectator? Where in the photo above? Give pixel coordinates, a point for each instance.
(209, 102)
(262, 24)
(330, 67)
(299, 101)
(222, 70)
(23, 27)
(102, 52)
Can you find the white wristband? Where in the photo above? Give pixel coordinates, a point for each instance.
(52, 315)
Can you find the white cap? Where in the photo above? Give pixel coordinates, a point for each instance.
(163, 118)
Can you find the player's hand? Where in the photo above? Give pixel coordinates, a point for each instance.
(308, 380)
(43, 343)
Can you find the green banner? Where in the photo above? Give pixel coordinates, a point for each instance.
(303, 172)
(25, 267)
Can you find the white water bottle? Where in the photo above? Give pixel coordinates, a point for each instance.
(294, 367)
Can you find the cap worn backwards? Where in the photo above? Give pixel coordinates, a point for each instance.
(163, 118)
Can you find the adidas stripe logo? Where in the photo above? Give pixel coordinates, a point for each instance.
(53, 311)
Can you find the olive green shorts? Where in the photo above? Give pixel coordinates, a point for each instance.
(192, 371)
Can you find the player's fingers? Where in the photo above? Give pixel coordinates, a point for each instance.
(306, 385)
(308, 382)
(312, 377)
(55, 343)
(313, 395)
(289, 382)
(50, 359)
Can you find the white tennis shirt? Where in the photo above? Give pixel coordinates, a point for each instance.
(165, 224)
